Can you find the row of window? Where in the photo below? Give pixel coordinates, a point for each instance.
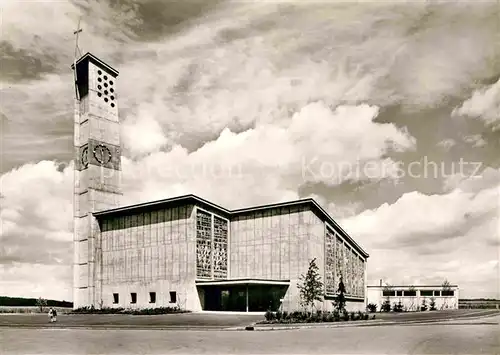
(152, 297)
(427, 293)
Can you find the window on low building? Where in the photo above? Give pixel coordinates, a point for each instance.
(152, 297)
(399, 293)
(388, 293)
(426, 293)
(133, 297)
(447, 293)
(410, 293)
(116, 298)
(173, 297)
(437, 293)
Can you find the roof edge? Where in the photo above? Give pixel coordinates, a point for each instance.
(415, 286)
(98, 61)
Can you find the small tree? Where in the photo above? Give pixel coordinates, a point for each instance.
(41, 303)
(340, 298)
(310, 286)
(445, 291)
(386, 306)
(413, 292)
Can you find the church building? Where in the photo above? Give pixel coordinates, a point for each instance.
(186, 251)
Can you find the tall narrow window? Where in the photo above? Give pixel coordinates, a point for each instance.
(152, 297)
(115, 298)
(133, 297)
(173, 297)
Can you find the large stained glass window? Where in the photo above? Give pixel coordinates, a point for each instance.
(361, 278)
(220, 248)
(343, 261)
(330, 265)
(339, 262)
(203, 244)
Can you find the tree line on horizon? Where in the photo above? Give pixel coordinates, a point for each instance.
(31, 302)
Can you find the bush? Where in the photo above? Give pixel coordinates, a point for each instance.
(118, 310)
(398, 307)
(314, 317)
(104, 310)
(386, 306)
(298, 317)
(372, 307)
(432, 304)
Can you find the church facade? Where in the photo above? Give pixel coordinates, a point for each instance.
(187, 251)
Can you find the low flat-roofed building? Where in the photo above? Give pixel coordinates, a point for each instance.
(413, 296)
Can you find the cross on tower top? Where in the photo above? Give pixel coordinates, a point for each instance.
(76, 33)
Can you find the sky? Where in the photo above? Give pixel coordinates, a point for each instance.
(387, 113)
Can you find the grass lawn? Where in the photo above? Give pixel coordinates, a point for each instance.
(209, 320)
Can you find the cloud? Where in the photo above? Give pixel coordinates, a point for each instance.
(484, 105)
(34, 280)
(426, 219)
(36, 214)
(143, 137)
(447, 144)
(475, 139)
(432, 237)
(274, 160)
(235, 64)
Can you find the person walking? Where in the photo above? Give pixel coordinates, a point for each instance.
(54, 315)
(50, 315)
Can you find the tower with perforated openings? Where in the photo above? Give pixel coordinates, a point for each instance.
(97, 171)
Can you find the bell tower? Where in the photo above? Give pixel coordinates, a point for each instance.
(97, 170)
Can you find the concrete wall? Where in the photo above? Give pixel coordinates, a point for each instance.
(413, 303)
(153, 251)
(276, 244)
(159, 251)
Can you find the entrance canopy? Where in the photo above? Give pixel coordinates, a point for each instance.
(244, 295)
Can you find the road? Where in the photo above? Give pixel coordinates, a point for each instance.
(478, 336)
